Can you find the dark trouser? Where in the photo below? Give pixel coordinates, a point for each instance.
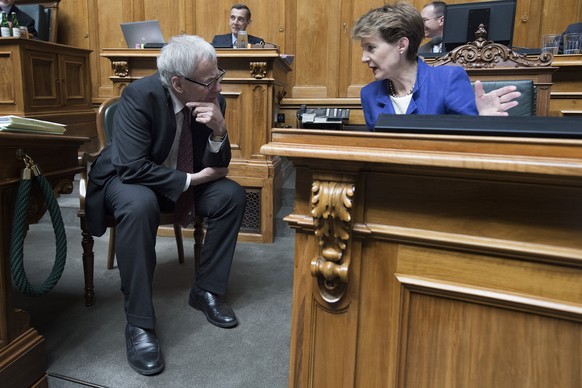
(136, 209)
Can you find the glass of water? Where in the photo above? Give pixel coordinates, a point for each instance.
(550, 43)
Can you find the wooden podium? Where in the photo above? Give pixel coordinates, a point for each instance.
(253, 87)
(435, 261)
(22, 349)
(48, 81)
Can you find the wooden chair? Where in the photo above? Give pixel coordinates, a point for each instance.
(497, 65)
(105, 115)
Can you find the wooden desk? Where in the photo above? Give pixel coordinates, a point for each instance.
(434, 261)
(253, 87)
(22, 348)
(566, 99)
(48, 81)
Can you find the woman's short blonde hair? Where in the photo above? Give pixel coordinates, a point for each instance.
(392, 21)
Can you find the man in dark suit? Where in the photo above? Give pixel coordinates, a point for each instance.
(433, 16)
(23, 18)
(141, 171)
(574, 27)
(240, 18)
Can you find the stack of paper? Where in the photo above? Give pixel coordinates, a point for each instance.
(24, 124)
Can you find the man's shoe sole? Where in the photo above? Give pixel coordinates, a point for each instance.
(149, 372)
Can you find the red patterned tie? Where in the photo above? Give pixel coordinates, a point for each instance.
(185, 204)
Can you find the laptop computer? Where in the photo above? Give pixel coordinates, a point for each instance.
(221, 45)
(138, 33)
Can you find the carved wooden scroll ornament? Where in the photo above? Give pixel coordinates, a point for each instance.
(483, 53)
(332, 204)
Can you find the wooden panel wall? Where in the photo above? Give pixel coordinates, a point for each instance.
(327, 64)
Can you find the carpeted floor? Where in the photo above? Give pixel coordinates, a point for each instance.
(86, 345)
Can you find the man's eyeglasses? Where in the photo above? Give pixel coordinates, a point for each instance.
(424, 20)
(209, 84)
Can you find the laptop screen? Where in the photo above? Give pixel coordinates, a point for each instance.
(142, 33)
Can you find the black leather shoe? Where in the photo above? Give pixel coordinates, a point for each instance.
(143, 350)
(213, 306)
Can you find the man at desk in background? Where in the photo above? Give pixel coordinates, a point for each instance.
(23, 19)
(240, 18)
(433, 16)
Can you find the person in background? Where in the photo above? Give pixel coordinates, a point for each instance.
(23, 19)
(405, 84)
(574, 27)
(433, 16)
(240, 18)
(139, 173)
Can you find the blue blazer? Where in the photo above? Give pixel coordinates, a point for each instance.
(438, 90)
(226, 40)
(143, 132)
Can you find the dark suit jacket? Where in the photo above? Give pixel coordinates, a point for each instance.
(574, 27)
(226, 40)
(24, 20)
(143, 131)
(427, 47)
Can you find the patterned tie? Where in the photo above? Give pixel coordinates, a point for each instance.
(185, 204)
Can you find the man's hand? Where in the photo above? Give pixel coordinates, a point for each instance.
(208, 174)
(209, 113)
(496, 102)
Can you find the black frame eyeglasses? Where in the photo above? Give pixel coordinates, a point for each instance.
(210, 84)
(424, 20)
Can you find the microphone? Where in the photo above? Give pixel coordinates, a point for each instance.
(436, 44)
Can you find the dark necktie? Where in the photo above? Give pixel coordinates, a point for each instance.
(185, 162)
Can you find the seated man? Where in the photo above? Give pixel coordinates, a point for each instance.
(240, 18)
(433, 16)
(169, 152)
(23, 19)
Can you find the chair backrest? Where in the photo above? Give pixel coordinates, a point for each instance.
(526, 102)
(105, 115)
(44, 14)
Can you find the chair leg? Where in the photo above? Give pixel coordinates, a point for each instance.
(198, 240)
(111, 249)
(179, 242)
(88, 262)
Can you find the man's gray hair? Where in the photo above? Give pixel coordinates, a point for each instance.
(182, 56)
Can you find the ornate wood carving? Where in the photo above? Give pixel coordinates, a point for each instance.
(483, 53)
(332, 205)
(120, 68)
(258, 69)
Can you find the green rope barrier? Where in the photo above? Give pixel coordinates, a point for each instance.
(19, 225)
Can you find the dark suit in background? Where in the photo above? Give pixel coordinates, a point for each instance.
(226, 40)
(24, 20)
(574, 27)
